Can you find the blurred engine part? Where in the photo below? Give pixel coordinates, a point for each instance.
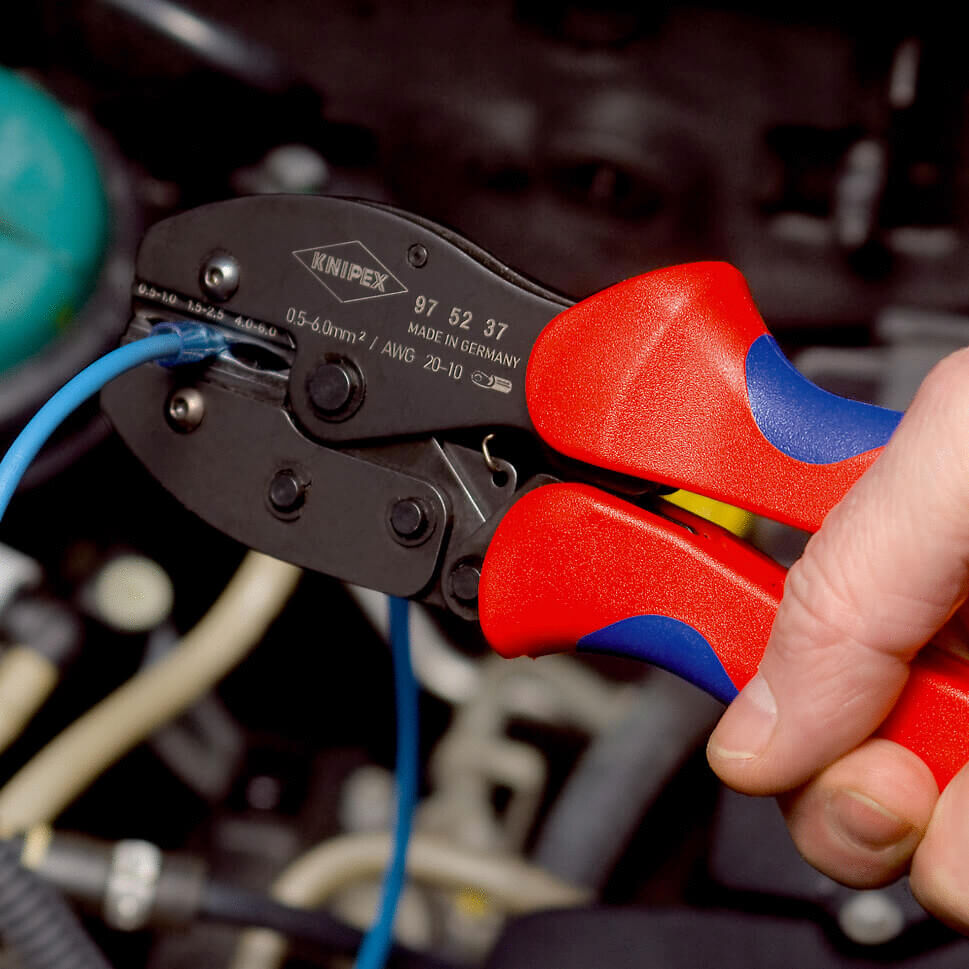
(620, 776)
(630, 939)
(53, 219)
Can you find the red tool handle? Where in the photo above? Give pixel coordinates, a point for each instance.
(673, 377)
(571, 566)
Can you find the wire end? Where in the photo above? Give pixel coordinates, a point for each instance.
(198, 342)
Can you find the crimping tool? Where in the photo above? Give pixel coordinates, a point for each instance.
(400, 410)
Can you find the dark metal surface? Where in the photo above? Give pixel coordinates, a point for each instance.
(224, 469)
(433, 347)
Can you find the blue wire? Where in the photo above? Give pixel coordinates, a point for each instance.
(167, 348)
(183, 343)
(376, 945)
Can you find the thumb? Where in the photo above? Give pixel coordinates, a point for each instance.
(886, 570)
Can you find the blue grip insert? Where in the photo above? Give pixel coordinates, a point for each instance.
(669, 643)
(802, 420)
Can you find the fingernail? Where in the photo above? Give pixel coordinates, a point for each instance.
(864, 822)
(748, 724)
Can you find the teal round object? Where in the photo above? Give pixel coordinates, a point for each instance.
(53, 219)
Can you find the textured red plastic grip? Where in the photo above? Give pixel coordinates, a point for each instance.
(568, 560)
(647, 378)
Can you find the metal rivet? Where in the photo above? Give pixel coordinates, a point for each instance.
(465, 578)
(330, 388)
(417, 255)
(408, 519)
(219, 277)
(335, 389)
(286, 491)
(185, 409)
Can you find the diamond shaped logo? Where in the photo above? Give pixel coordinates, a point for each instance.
(350, 271)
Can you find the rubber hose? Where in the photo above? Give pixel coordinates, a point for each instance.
(620, 776)
(234, 906)
(36, 922)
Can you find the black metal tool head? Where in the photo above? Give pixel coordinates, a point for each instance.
(370, 354)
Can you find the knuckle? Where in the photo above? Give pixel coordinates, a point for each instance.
(819, 606)
(942, 405)
(835, 600)
(844, 674)
(948, 380)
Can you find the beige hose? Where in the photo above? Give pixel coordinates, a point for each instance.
(27, 679)
(235, 623)
(507, 882)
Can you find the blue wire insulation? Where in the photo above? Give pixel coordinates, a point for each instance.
(168, 348)
(376, 944)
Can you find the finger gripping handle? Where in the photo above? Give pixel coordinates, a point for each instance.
(571, 566)
(672, 376)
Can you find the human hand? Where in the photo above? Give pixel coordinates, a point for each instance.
(887, 573)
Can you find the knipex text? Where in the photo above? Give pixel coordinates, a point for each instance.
(350, 271)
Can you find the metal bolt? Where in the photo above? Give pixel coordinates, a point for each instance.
(333, 388)
(132, 884)
(408, 519)
(219, 277)
(417, 255)
(286, 491)
(465, 578)
(186, 408)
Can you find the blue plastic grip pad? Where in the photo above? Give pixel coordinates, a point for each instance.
(669, 643)
(802, 420)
